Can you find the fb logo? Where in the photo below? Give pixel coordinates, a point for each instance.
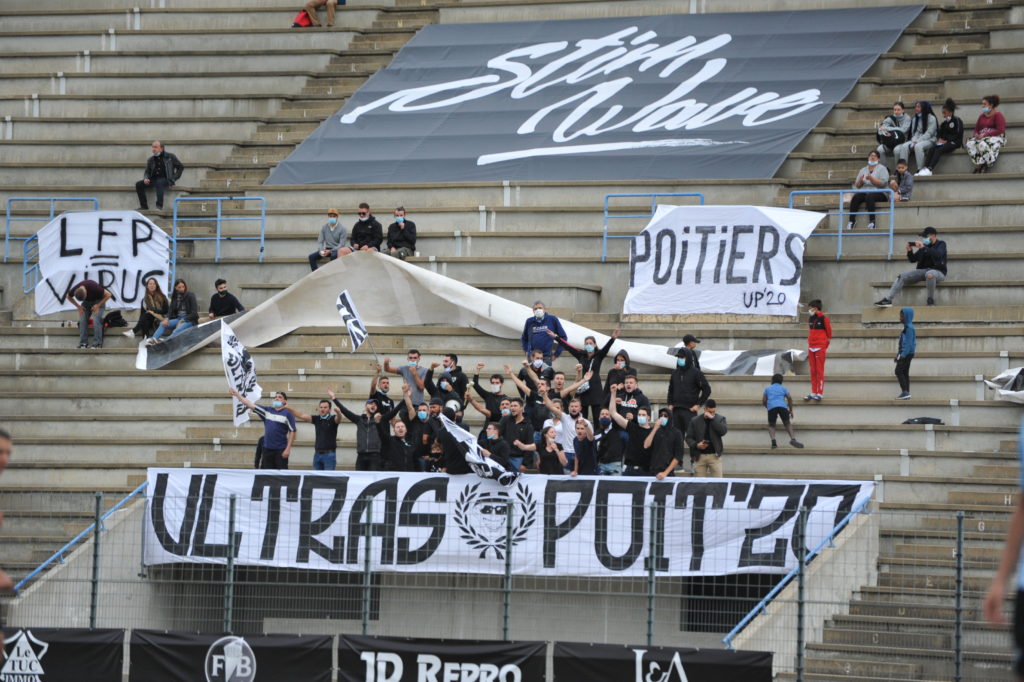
(230, 659)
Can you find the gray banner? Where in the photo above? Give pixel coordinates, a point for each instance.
(665, 97)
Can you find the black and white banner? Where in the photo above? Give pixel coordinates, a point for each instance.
(160, 656)
(240, 371)
(744, 260)
(350, 316)
(583, 526)
(623, 663)
(390, 659)
(62, 655)
(672, 96)
(118, 249)
(482, 466)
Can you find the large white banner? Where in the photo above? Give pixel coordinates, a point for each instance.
(240, 371)
(743, 260)
(118, 249)
(561, 526)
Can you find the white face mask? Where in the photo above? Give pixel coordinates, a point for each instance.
(539, 313)
(538, 363)
(495, 388)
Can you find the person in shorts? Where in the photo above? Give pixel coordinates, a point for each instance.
(779, 403)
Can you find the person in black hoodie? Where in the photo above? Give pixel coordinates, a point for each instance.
(372, 429)
(688, 389)
(631, 398)
(931, 266)
(492, 398)
(591, 394)
(401, 236)
(951, 138)
(618, 373)
(445, 387)
(367, 233)
(182, 313)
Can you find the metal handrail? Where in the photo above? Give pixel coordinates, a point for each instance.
(59, 554)
(52, 200)
(220, 218)
(763, 604)
(841, 212)
(654, 205)
(29, 252)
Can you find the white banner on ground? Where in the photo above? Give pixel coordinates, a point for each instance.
(561, 526)
(350, 316)
(482, 466)
(240, 371)
(118, 249)
(744, 260)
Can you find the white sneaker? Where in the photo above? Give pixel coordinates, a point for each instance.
(849, 226)
(130, 334)
(924, 173)
(871, 226)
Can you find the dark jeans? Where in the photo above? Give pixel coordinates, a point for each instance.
(903, 373)
(937, 152)
(368, 461)
(274, 459)
(315, 256)
(161, 185)
(868, 198)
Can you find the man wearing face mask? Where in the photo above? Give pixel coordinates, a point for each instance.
(224, 303)
(411, 372)
(278, 429)
(518, 432)
(610, 445)
(666, 445)
(930, 257)
(688, 389)
(325, 424)
(704, 437)
(401, 236)
(372, 429)
(637, 454)
(535, 333)
(453, 374)
(590, 357)
(331, 242)
(444, 388)
(367, 233)
(415, 417)
(492, 398)
(539, 368)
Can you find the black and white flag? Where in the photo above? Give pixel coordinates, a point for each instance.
(482, 466)
(240, 371)
(350, 316)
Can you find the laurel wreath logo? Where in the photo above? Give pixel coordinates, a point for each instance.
(524, 501)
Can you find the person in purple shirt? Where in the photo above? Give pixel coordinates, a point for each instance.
(91, 300)
(535, 333)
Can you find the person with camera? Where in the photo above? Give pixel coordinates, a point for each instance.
(871, 179)
(930, 256)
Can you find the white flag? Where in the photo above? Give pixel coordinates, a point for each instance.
(240, 371)
(356, 329)
(482, 466)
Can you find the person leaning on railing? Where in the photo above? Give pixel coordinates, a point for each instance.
(872, 176)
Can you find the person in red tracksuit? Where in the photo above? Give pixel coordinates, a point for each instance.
(819, 335)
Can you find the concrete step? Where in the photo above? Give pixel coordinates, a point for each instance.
(947, 313)
(239, 61)
(957, 293)
(141, 83)
(935, 663)
(62, 524)
(79, 382)
(171, 41)
(82, 106)
(221, 128)
(846, 668)
(122, 173)
(84, 150)
(169, 19)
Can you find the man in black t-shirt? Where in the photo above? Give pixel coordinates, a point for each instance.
(518, 432)
(325, 447)
(223, 302)
(91, 300)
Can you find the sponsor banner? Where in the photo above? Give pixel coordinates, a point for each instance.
(240, 371)
(118, 249)
(561, 525)
(671, 97)
(624, 663)
(62, 655)
(389, 659)
(161, 656)
(743, 260)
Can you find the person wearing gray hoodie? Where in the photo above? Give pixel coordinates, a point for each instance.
(894, 131)
(331, 242)
(924, 129)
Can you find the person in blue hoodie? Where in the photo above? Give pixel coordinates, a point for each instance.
(905, 352)
(535, 333)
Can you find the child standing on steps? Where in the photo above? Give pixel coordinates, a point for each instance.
(779, 402)
(819, 335)
(905, 352)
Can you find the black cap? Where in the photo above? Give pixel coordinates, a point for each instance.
(690, 338)
(437, 401)
(928, 231)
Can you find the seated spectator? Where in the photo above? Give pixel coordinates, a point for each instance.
(401, 236)
(924, 130)
(535, 333)
(988, 137)
(331, 242)
(182, 313)
(224, 303)
(930, 257)
(551, 453)
(367, 233)
(152, 312)
(311, 10)
(586, 451)
(873, 176)
(163, 169)
(902, 181)
(894, 131)
(950, 138)
(325, 426)
(630, 398)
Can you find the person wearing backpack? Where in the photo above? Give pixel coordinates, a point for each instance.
(894, 131)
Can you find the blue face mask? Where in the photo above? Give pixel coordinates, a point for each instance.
(872, 163)
(642, 421)
(332, 221)
(926, 240)
(445, 386)
(506, 412)
(663, 421)
(681, 362)
(277, 404)
(491, 436)
(399, 220)
(589, 348)
(985, 110)
(422, 415)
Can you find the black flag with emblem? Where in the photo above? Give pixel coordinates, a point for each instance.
(356, 329)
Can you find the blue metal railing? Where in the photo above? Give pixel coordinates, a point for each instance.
(30, 264)
(654, 204)
(763, 604)
(59, 554)
(842, 212)
(53, 212)
(220, 218)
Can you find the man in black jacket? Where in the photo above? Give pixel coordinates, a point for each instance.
(401, 236)
(931, 266)
(688, 389)
(367, 233)
(162, 170)
(704, 438)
